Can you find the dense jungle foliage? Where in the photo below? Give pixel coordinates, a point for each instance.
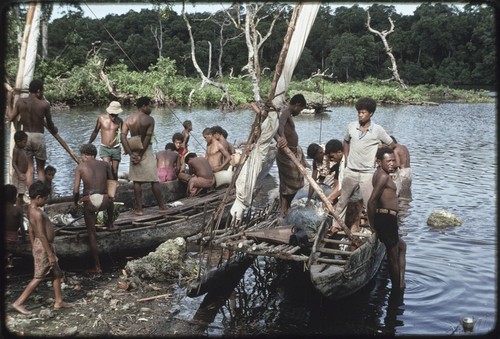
(438, 50)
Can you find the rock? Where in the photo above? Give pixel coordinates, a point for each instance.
(106, 294)
(442, 218)
(46, 313)
(70, 331)
(162, 264)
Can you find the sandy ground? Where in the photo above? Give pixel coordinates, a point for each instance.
(107, 304)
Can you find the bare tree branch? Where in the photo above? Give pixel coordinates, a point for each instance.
(388, 50)
(204, 79)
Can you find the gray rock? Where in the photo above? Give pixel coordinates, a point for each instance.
(71, 330)
(45, 313)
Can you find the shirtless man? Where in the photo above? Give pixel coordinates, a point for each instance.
(35, 113)
(94, 174)
(217, 155)
(382, 211)
(168, 163)
(291, 179)
(221, 135)
(110, 125)
(41, 233)
(404, 175)
(200, 174)
(142, 160)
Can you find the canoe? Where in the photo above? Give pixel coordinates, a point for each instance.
(337, 269)
(134, 234)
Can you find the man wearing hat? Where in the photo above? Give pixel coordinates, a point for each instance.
(110, 125)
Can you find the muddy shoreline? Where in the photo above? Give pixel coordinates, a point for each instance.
(103, 306)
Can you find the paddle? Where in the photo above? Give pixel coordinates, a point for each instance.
(65, 146)
(356, 240)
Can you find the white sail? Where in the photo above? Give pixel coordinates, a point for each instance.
(27, 61)
(245, 183)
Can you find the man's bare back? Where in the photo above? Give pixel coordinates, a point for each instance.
(402, 156)
(167, 159)
(201, 168)
(94, 174)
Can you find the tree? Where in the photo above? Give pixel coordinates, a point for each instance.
(383, 36)
(204, 79)
(253, 37)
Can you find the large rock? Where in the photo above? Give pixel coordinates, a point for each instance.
(161, 265)
(441, 218)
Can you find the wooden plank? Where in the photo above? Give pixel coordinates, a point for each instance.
(331, 251)
(332, 261)
(333, 241)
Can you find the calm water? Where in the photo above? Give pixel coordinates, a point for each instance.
(451, 272)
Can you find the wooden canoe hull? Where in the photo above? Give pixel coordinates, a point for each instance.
(134, 234)
(338, 281)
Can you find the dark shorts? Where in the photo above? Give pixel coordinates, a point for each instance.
(114, 153)
(386, 226)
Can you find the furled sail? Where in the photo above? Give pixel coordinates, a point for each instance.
(27, 61)
(245, 183)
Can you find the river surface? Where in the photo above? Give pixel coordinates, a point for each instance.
(450, 272)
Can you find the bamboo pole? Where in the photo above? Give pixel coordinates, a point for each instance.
(356, 240)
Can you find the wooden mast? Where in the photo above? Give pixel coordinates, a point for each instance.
(26, 66)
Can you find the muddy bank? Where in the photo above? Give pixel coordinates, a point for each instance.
(106, 304)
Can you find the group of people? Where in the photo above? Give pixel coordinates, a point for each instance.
(368, 171)
(348, 166)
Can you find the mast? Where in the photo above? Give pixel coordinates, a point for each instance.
(27, 60)
(298, 30)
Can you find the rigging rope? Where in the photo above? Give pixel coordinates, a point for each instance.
(119, 46)
(322, 105)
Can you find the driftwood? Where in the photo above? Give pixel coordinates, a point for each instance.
(168, 295)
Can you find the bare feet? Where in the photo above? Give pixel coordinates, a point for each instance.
(21, 309)
(138, 212)
(62, 305)
(163, 210)
(111, 227)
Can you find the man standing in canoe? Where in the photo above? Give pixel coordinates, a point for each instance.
(35, 113)
(95, 175)
(142, 159)
(110, 125)
(361, 142)
(291, 179)
(382, 211)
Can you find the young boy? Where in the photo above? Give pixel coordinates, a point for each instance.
(20, 165)
(13, 220)
(50, 173)
(188, 127)
(41, 233)
(168, 163)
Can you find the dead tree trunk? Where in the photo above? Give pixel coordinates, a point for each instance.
(388, 50)
(254, 39)
(229, 104)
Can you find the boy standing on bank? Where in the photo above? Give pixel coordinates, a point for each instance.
(41, 234)
(20, 165)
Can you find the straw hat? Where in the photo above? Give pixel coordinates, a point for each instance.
(114, 108)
